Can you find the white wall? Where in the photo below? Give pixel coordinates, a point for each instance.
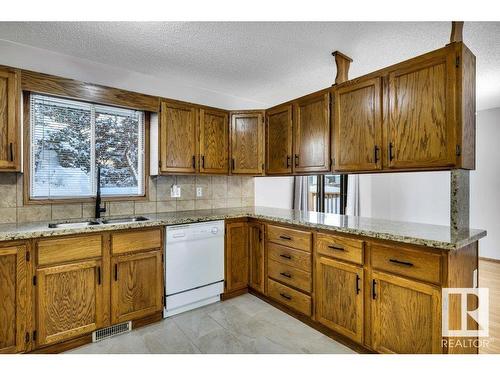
(485, 182)
(274, 191)
(422, 197)
(40, 60)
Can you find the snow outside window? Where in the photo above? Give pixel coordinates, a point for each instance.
(69, 139)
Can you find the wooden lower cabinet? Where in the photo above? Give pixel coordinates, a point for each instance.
(136, 286)
(257, 275)
(236, 256)
(406, 315)
(339, 297)
(13, 298)
(69, 301)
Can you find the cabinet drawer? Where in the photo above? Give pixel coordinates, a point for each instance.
(126, 242)
(416, 264)
(295, 238)
(340, 247)
(286, 255)
(289, 297)
(60, 250)
(289, 275)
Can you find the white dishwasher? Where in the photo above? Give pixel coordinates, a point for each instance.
(194, 266)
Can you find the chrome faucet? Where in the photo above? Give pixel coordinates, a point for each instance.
(98, 208)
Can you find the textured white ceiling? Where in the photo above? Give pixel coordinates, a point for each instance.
(267, 63)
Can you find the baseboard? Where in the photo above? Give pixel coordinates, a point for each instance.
(87, 339)
(232, 294)
(64, 346)
(156, 317)
(315, 325)
(492, 260)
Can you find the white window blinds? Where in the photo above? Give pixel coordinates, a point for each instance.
(70, 138)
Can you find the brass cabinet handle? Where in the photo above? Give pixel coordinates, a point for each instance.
(296, 160)
(285, 296)
(288, 161)
(286, 274)
(401, 263)
(334, 247)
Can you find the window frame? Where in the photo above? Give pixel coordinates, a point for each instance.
(320, 194)
(28, 200)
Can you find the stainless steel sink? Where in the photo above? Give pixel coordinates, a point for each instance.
(77, 224)
(123, 220)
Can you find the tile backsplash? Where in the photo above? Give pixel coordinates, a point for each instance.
(216, 192)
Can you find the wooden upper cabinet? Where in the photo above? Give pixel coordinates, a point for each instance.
(236, 256)
(311, 128)
(10, 141)
(279, 140)
(13, 297)
(178, 137)
(421, 120)
(69, 301)
(406, 315)
(257, 257)
(357, 138)
(339, 297)
(247, 143)
(214, 130)
(136, 285)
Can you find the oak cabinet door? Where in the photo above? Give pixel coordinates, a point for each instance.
(279, 140)
(178, 138)
(339, 297)
(236, 256)
(9, 120)
(136, 285)
(13, 299)
(247, 143)
(406, 315)
(69, 301)
(257, 257)
(358, 126)
(421, 115)
(311, 129)
(214, 129)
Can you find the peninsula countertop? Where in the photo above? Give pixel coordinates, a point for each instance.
(435, 236)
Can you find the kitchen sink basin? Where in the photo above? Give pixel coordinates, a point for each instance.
(123, 220)
(77, 224)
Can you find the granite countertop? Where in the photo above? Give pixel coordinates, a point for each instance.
(436, 236)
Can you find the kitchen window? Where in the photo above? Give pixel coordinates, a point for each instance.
(327, 193)
(70, 138)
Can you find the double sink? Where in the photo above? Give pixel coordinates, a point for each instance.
(88, 223)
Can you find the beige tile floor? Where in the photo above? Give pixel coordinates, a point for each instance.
(244, 324)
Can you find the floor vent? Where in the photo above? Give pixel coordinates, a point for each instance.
(108, 332)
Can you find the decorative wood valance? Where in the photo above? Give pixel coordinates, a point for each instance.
(66, 87)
